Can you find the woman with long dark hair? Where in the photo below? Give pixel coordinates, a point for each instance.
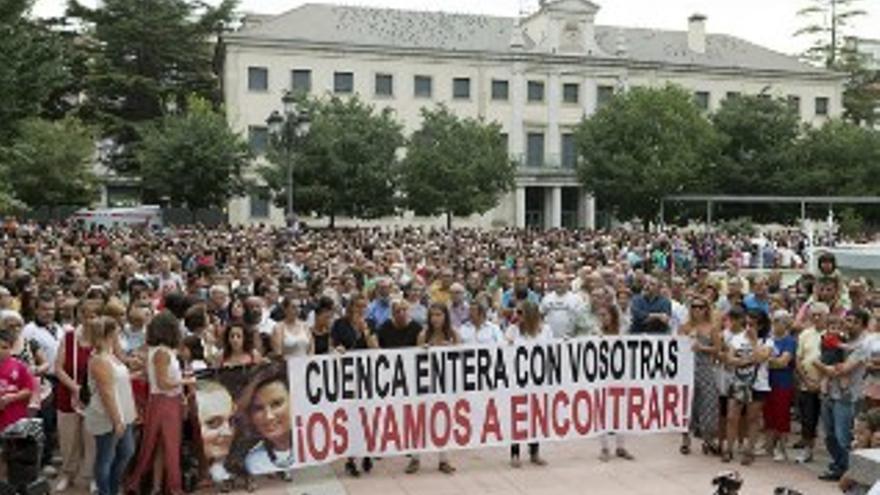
(239, 347)
(438, 332)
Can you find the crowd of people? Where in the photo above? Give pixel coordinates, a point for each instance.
(103, 331)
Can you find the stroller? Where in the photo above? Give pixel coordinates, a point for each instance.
(22, 446)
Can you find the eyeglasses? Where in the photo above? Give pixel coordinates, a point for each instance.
(699, 306)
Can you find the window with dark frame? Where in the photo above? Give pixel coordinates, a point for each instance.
(384, 85)
(423, 86)
(500, 89)
(343, 82)
(569, 151)
(301, 81)
(259, 203)
(461, 88)
(258, 139)
(571, 93)
(535, 149)
(535, 91)
(258, 79)
(701, 99)
(604, 95)
(821, 106)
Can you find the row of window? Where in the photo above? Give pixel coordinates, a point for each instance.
(423, 87)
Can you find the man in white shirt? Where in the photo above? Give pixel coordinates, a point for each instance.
(561, 308)
(479, 330)
(44, 331)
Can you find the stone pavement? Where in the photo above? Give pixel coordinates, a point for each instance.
(573, 469)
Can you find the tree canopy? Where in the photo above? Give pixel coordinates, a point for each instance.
(50, 163)
(194, 159)
(146, 58)
(645, 144)
(455, 166)
(345, 166)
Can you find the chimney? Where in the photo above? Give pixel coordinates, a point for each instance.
(697, 33)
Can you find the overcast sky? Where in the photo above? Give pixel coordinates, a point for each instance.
(771, 23)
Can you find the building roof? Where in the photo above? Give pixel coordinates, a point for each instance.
(417, 30)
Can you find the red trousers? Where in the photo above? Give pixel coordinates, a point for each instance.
(163, 425)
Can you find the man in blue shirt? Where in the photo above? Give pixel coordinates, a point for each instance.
(379, 311)
(651, 311)
(759, 299)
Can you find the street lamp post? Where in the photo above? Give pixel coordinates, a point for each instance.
(287, 129)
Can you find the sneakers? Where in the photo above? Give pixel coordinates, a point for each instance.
(49, 471)
(93, 488)
(805, 456)
(780, 455)
(537, 460)
(624, 454)
(63, 483)
(446, 468)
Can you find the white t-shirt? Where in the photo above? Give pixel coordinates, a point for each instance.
(488, 333)
(48, 343)
(680, 316)
(561, 312)
(760, 374)
(514, 336)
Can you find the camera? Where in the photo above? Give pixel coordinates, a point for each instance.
(727, 483)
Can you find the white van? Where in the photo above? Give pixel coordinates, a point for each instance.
(149, 216)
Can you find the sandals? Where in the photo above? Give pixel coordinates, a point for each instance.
(710, 448)
(446, 468)
(413, 466)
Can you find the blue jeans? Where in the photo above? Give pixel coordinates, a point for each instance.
(837, 420)
(111, 459)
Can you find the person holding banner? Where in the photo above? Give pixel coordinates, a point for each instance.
(529, 329)
(479, 330)
(438, 333)
(608, 317)
(352, 333)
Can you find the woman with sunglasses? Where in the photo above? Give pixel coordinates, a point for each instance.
(706, 342)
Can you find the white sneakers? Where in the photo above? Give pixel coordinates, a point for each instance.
(780, 454)
(805, 456)
(63, 483)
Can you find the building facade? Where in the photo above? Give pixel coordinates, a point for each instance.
(537, 76)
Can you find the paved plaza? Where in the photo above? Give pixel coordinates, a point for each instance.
(573, 469)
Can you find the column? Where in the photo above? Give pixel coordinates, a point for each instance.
(589, 211)
(589, 96)
(520, 207)
(518, 101)
(553, 153)
(555, 220)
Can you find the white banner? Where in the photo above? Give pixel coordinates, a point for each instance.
(392, 402)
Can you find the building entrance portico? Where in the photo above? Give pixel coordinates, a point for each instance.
(552, 207)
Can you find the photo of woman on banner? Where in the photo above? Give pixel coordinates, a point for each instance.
(216, 410)
(264, 414)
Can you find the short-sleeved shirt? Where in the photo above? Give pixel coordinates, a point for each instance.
(783, 378)
(752, 303)
(392, 337)
(14, 377)
(850, 388)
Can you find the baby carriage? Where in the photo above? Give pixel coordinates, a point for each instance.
(22, 446)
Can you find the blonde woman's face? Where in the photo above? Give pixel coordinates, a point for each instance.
(215, 418)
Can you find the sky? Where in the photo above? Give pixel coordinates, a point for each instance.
(770, 23)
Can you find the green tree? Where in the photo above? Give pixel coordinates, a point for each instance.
(193, 158)
(839, 158)
(146, 57)
(50, 163)
(758, 136)
(455, 166)
(826, 22)
(32, 66)
(346, 165)
(646, 144)
(861, 95)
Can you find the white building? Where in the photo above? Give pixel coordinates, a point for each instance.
(537, 76)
